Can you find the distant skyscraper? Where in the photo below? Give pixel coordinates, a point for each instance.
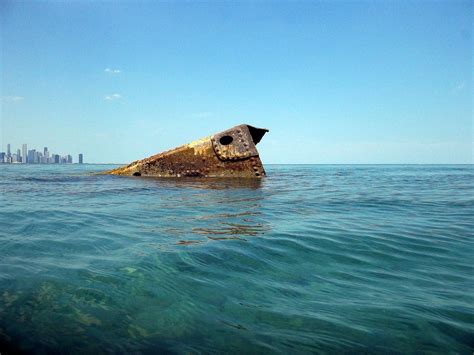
(41, 158)
(24, 156)
(81, 157)
(18, 156)
(69, 159)
(31, 156)
(56, 158)
(9, 152)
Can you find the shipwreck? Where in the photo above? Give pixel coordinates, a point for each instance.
(231, 153)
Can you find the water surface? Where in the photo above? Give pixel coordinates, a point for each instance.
(310, 259)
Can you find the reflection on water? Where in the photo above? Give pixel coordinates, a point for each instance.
(247, 229)
(243, 200)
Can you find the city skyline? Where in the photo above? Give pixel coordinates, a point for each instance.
(33, 156)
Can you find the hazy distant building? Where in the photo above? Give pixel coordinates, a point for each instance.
(24, 156)
(31, 156)
(81, 159)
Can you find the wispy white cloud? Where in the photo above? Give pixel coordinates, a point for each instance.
(459, 87)
(112, 71)
(113, 97)
(11, 98)
(202, 114)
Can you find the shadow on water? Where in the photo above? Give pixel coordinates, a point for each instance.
(203, 183)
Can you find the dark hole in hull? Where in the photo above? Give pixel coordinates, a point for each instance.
(137, 174)
(226, 140)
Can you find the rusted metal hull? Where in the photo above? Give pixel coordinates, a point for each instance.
(231, 153)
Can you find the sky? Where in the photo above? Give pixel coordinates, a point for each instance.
(335, 82)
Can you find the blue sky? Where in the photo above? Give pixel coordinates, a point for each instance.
(335, 82)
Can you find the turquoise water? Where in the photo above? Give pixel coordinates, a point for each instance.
(311, 259)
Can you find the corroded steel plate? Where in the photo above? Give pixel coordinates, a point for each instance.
(231, 153)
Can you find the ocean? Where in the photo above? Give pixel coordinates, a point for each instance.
(311, 259)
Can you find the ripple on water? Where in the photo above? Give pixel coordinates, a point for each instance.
(310, 259)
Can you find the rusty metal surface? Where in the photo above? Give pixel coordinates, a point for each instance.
(231, 153)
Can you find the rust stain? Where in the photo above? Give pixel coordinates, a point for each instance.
(231, 153)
